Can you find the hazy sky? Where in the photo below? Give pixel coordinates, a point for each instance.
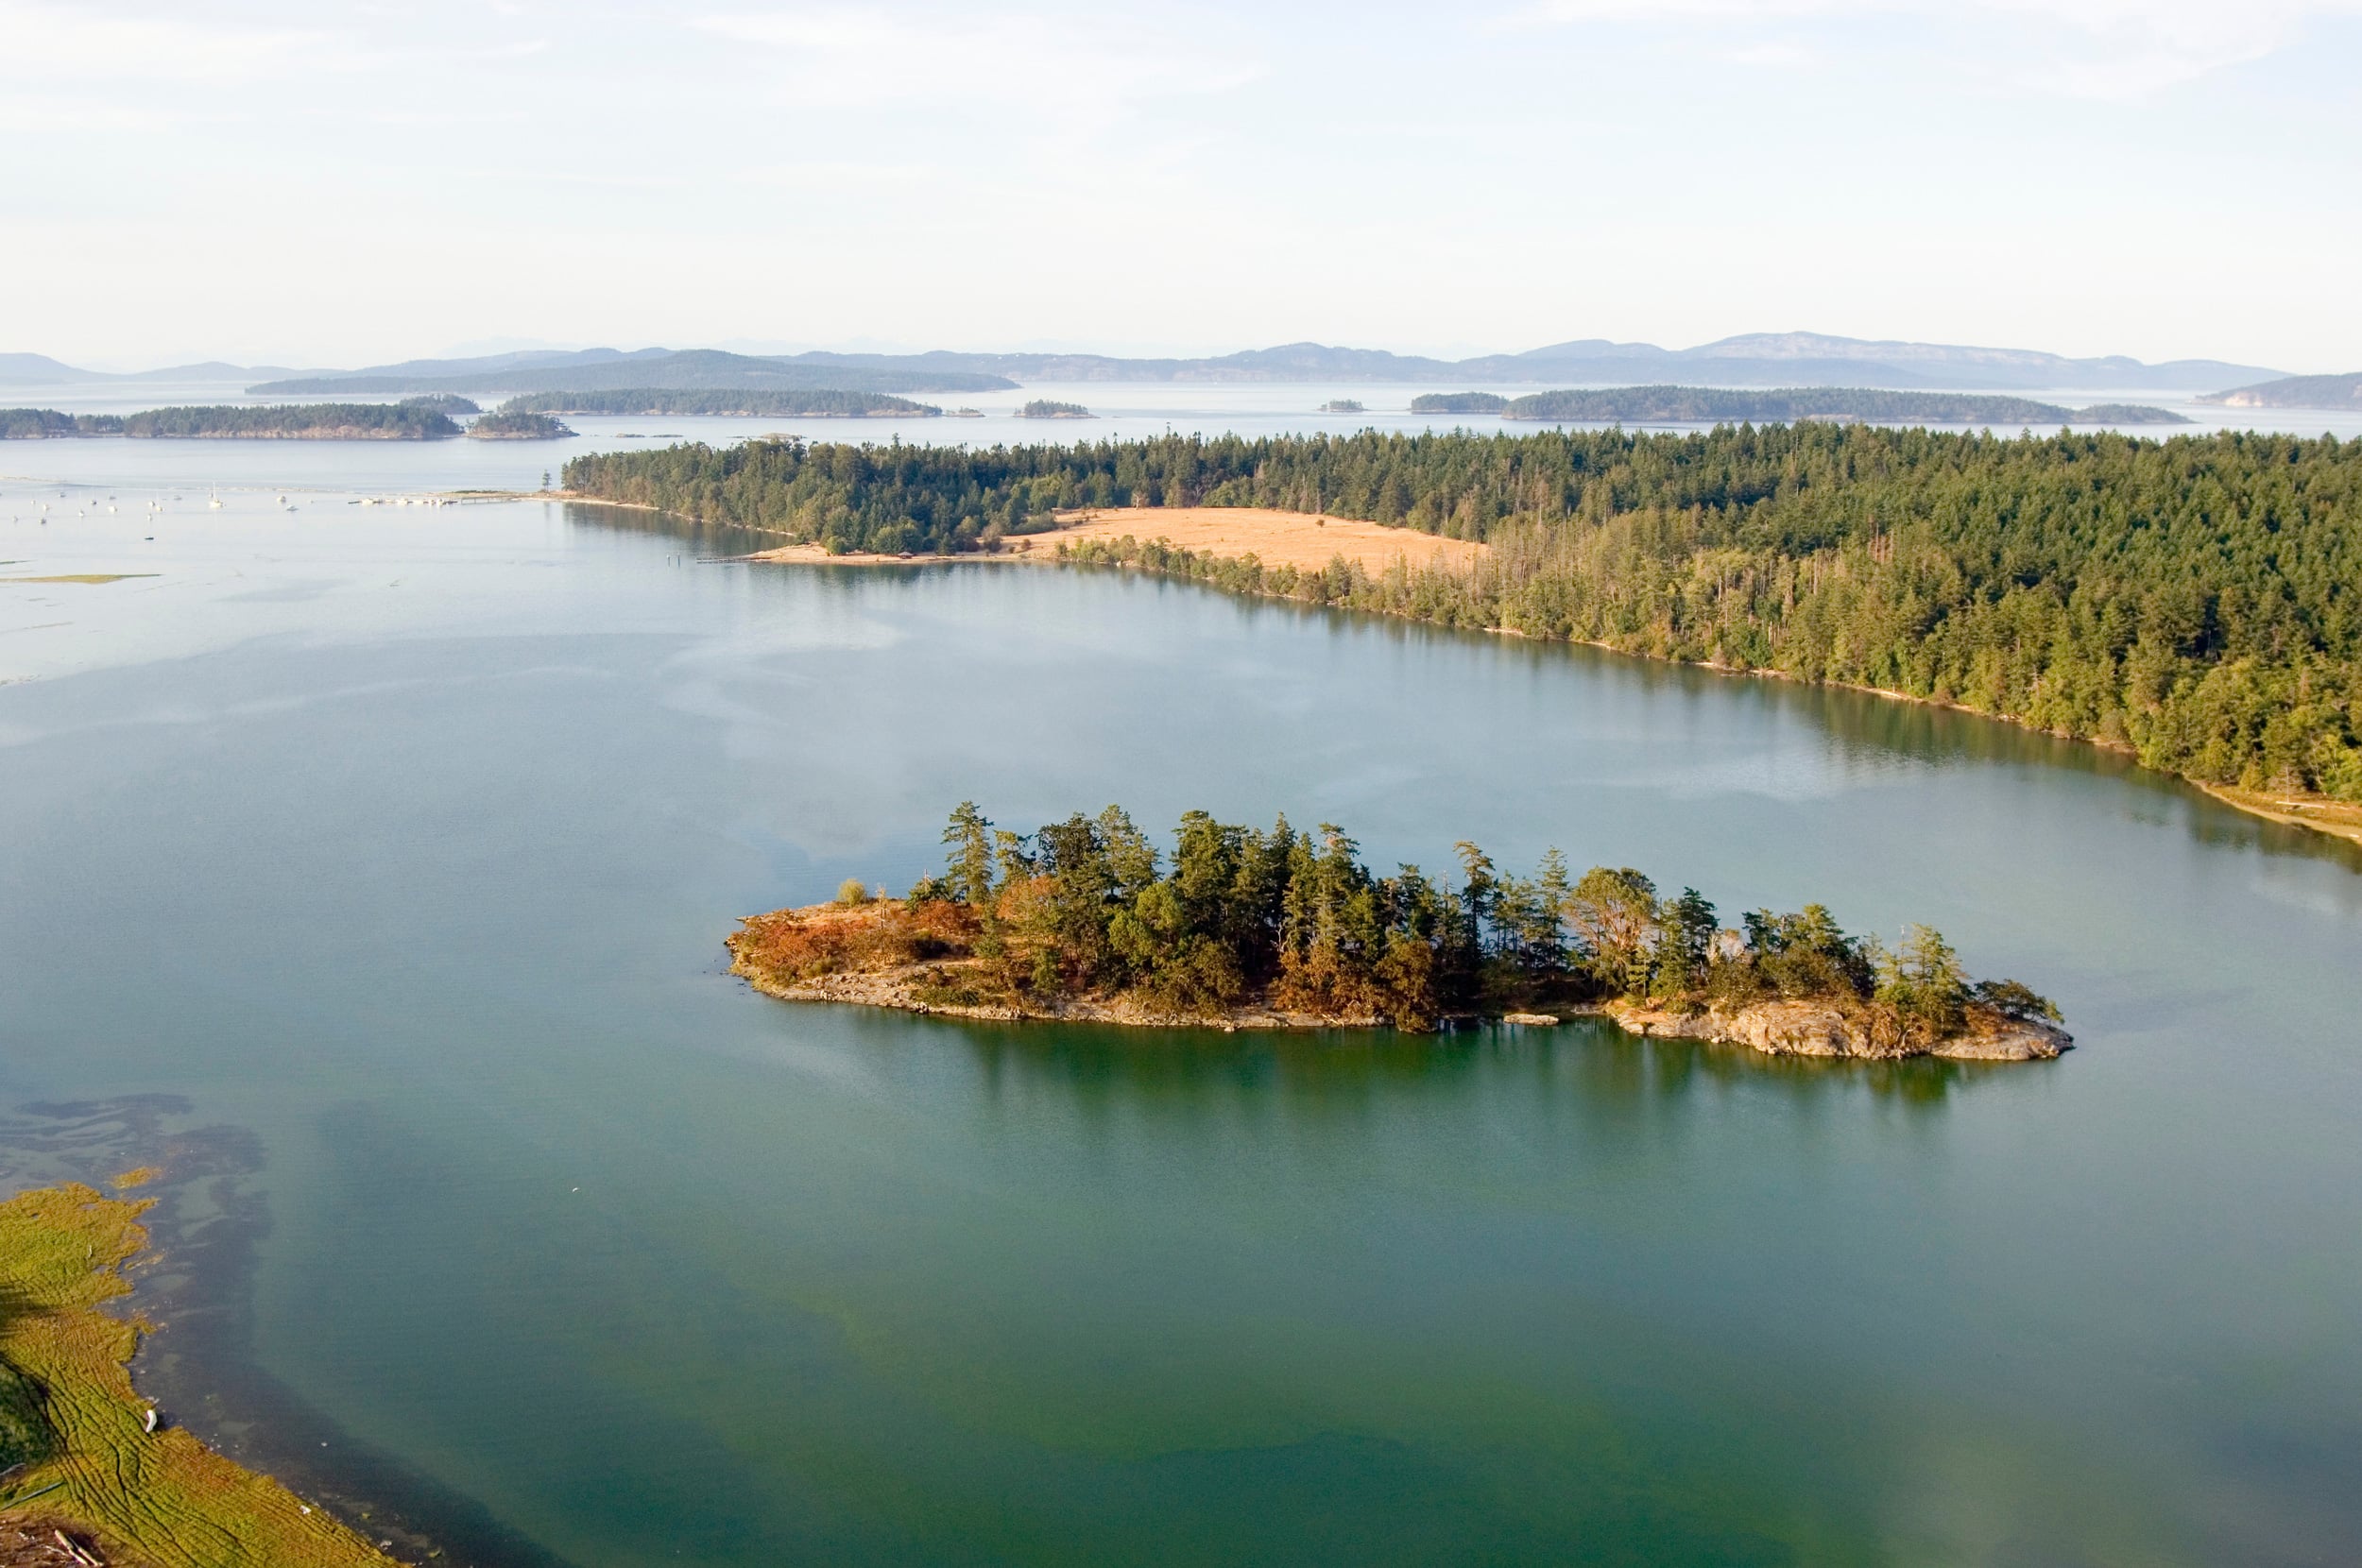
(329, 183)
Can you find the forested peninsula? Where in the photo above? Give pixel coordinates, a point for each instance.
(2192, 600)
(1085, 919)
(278, 422)
(817, 404)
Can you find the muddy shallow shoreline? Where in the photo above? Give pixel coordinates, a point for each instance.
(194, 1285)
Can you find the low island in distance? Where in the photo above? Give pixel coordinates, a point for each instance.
(507, 424)
(728, 402)
(1729, 406)
(1239, 927)
(2295, 392)
(1050, 408)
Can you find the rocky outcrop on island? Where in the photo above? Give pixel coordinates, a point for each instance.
(1826, 1029)
(921, 957)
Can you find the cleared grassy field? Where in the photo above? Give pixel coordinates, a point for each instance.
(1275, 538)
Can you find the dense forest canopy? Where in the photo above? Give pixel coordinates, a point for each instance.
(49, 424)
(2194, 599)
(817, 403)
(1700, 404)
(1236, 915)
(444, 402)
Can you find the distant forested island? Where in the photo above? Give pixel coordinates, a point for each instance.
(1459, 402)
(507, 424)
(2189, 599)
(1342, 405)
(1278, 928)
(820, 403)
(1708, 404)
(2295, 392)
(280, 423)
(1046, 408)
(444, 402)
(1711, 404)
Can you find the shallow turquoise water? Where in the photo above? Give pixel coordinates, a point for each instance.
(406, 841)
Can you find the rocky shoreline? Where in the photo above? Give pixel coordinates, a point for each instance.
(903, 990)
(1819, 1029)
(1780, 1028)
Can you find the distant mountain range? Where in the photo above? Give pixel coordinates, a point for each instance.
(606, 370)
(1761, 359)
(40, 370)
(2295, 392)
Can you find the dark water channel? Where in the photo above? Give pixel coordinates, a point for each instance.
(374, 867)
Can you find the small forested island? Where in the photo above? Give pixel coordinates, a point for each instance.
(507, 424)
(1459, 402)
(819, 404)
(1046, 408)
(1342, 405)
(86, 1465)
(1084, 920)
(444, 402)
(1708, 404)
(2185, 600)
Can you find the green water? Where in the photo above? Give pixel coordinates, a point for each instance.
(402, 846)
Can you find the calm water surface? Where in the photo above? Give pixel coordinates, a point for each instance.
(389, 852)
